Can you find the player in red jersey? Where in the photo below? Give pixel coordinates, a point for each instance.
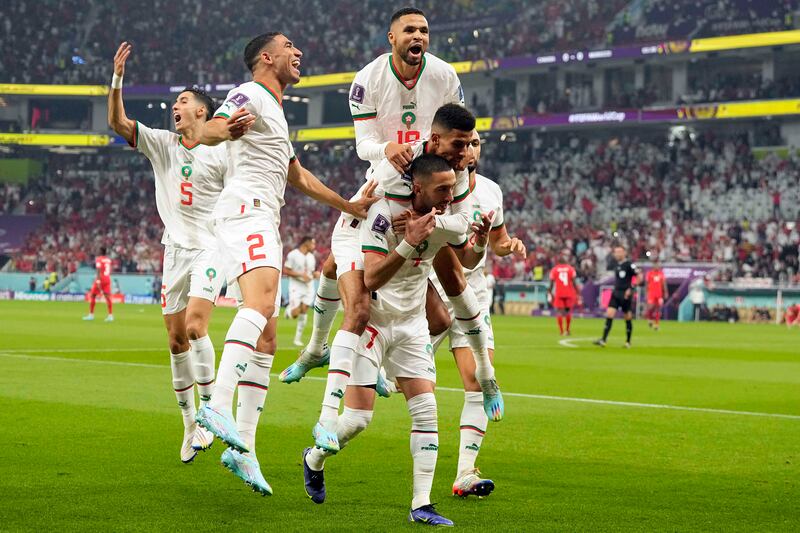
(102, 284)
(792, 315)
(656, 294)
(565, 297)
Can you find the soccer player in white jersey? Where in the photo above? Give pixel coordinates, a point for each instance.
(246, 220)
(473, 424)
(300, 267)
(392, 101)
(188, 180)
(396, 270)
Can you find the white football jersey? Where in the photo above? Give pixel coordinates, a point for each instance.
(486, 197)
(259, 160)
(300, 262)
(189, 180)
(387, 108)
(404, 294)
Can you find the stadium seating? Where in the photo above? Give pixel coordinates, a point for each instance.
(577, 195)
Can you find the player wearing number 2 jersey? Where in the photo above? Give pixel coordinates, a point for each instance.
(246, 218)
(188, 180)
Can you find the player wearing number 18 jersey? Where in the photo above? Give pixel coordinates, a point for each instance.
(188, 181)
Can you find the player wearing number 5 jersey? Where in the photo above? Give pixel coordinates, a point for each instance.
(188, 180)
(246, 218)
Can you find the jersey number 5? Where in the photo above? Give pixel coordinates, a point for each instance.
(407, 137)
(186, 193)
(257, 242)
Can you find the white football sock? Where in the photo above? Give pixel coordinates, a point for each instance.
(350, 424)
(424, 445)
(240, 342)
(301, 325)
(343, 351)
(326, 304)
(470, 319)
(253, 386)
(204, 359)
(183, 384)
(473, 428)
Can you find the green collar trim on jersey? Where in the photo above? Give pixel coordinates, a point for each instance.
(415, 79)
(398, 197)
(183, 143)
(271, 93)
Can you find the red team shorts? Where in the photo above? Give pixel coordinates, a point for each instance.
(655, 300)
(104, 287)
(564, 302)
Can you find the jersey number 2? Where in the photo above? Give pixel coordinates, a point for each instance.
(186, 193)
(257, 242)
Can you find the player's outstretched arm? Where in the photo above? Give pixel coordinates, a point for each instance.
(379, 268)
(117, 119)
(223, 128)
(310, 185)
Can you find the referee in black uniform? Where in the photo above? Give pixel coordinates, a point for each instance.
(622, 296)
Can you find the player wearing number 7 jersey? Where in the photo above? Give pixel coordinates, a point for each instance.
(188, 180)
(246, 220)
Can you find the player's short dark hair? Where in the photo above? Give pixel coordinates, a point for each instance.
(201, 96)
(454, 117)
(103, 250)
(254, 47)
(405, 11)
(427, 165)
(305, 239)
(618, 244)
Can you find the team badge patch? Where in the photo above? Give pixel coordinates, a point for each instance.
(381, 224)
(211, 273)
(239, 99)
(357, 94)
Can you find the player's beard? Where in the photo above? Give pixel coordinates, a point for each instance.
(472, 168)
(413, 61)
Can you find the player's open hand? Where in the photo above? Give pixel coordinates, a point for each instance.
(239, 123)
(482, 228)
(419, 229)
(120, 57)
(360, 207)
(399, 155)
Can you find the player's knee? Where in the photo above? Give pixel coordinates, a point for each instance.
(267, 344)
(356, 419)
(329, 268)
(196, 327)
(422, 409)
(178, 342)
(454, 284)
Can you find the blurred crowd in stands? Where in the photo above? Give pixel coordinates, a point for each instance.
(74, 41)
(698, 198)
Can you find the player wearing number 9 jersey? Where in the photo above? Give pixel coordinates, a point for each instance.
(188, 180)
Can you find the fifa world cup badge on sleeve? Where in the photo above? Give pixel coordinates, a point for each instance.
(357, 94)
(381, 224)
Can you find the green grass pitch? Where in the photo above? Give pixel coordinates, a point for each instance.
(91, 434)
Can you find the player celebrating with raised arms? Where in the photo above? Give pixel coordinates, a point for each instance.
(246, 218)
(392, 101)
(396, 270)
(566, 294)
(188, 180)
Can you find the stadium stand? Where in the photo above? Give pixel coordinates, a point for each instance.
(704, 199)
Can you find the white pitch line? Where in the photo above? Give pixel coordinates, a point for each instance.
(451, 389)
(569, 343)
